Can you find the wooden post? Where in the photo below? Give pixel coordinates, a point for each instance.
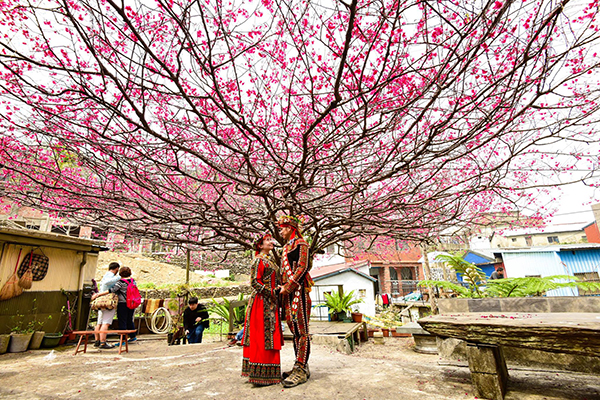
(187, 267)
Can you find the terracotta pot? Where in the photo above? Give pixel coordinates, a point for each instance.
(370, 332)
(63, 339)
(386, 332)
(357, 317)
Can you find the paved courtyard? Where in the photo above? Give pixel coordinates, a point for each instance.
(153, 370)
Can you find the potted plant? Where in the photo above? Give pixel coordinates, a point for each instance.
(339, 304)
(20, 335)
(51, 340)
(356, 315)
(38, 334)
(4, 340)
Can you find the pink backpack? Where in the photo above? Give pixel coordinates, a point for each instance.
(133, 294)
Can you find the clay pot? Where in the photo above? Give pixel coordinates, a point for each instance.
(357, 317)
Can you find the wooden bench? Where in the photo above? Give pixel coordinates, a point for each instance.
(486, 333)
(83, 337)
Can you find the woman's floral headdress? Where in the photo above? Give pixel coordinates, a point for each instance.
(259, 239)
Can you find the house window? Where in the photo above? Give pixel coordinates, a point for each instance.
(588, 277)
(553, 239)
(406, 274)
(330, 249)
(514, 239)
(528, 241)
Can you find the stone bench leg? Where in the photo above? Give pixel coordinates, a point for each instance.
(488, 370)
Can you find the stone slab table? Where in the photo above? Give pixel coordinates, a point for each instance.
(486, 333)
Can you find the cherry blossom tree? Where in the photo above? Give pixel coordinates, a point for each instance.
(201, 122)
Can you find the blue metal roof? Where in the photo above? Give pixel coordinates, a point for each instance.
(579, 261)
(477, 259)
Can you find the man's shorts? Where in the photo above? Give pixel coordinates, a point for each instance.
(106, 316)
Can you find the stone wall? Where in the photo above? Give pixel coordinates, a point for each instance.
(522, 304)
(237, 263)
(454, 349)
(202, 293)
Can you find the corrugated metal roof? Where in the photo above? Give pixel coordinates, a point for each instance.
(551, 248)
(572, 227)
(581, 261)
(536, 263)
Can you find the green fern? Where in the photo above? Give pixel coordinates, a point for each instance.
(471, 274)
(445, 285)
(340, 303)
(222, 310)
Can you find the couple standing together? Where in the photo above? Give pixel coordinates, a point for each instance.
(278, 293)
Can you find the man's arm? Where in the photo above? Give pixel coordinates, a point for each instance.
(110, 281)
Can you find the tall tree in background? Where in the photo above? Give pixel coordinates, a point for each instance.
(202, 121)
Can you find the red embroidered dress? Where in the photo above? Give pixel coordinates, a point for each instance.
(262, 331)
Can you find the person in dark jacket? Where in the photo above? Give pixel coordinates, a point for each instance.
(195, 320)
(498, 274)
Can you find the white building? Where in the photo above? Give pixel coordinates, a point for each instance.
(345, 277)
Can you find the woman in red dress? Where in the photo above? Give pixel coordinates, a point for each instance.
(262, 338)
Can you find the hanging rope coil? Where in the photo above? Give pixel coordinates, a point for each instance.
(161, 321)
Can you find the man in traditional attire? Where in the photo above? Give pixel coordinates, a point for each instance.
(295, 299)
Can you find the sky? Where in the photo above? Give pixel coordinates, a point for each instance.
(574, 203)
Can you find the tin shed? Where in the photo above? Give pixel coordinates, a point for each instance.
(62, 266)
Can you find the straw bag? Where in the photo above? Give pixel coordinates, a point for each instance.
(37, 263)
(27, 277)
(11, 288)
(106, 302)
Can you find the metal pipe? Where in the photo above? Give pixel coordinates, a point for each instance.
(80, 292)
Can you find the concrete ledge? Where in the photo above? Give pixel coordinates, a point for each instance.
(413, 328)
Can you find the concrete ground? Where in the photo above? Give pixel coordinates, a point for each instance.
(153, 370)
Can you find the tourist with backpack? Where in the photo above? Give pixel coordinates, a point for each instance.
(129, 299)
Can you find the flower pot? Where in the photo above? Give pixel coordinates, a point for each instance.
(36, 340)
(386, 332)
(63, 339)
(72, 337)
(341, 316)
(51, 340)
(4, 339)
(357, 317)
(19, 342)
